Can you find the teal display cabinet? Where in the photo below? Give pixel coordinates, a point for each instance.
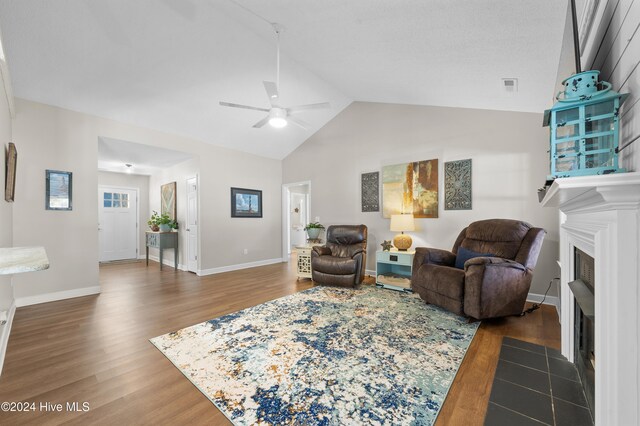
(584, 126)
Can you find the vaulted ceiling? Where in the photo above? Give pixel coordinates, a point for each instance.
(165, 64)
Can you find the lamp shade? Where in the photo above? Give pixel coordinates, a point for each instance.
(402, 222)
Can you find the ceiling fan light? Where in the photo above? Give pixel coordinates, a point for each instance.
(278, 122)
(277, 118)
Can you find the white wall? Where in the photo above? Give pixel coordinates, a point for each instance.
(127, 180)
(54, 138)
(613, 47)
(6, 210)
(509, 156)
(179, 174)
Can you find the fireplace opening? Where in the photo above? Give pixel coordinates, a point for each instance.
(584, 325)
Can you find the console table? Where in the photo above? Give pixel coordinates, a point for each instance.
(393, 269)
(161, 241)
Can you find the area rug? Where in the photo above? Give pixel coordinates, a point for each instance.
(325, 356)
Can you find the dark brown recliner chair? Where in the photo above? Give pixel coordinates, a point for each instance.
(487, 287)
(343, 259)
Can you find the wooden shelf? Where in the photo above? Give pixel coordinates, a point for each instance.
(16, 260)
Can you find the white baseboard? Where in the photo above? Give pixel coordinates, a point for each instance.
(239, 266)
(166, 261)
(58, 295)
(550, 300)
(4, 333)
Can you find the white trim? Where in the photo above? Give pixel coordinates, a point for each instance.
(239, 266)
(58, 295)
(286, 236)
(166, 262)
(4, 333)
(550, 300)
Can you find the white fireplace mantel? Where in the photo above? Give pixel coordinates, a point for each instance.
(601, 216)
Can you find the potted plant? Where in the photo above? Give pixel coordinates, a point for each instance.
(162, 222)
(313, 230)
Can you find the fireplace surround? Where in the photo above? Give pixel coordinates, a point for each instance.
(600, 215)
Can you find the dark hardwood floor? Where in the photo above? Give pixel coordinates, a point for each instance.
(95, 349)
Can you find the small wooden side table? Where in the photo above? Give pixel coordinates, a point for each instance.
(304, 261)
(161, 241)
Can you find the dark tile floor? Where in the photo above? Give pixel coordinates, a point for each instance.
(535, 385)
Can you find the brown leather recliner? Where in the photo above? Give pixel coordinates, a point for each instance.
(343, 259)
(487, 287)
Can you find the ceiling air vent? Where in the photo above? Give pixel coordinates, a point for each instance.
(509, 85)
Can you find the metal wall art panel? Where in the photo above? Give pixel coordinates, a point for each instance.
(457, 185)
(370, 192)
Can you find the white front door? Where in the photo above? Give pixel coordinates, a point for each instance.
(118, 223)
(192, 225)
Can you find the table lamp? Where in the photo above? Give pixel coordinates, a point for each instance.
(401, 223)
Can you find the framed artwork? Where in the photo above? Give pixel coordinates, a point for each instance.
(59, 190)
(457, 185)
(246, 202)
(370, 191)
(11, 157)
(410, 188)
(168, 200)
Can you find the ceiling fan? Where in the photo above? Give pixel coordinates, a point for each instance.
(278, 116)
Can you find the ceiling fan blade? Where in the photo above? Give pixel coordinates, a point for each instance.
(261, 122)
(297, 108)
(272, 91)
(299, 122)
(228, 104)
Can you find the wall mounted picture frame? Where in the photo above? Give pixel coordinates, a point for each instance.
(370, 189)
(168, 200)
(246, 202)
(457, 185)
(11, 157)
(59, 190)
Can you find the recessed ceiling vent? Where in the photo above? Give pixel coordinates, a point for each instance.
(509, 85)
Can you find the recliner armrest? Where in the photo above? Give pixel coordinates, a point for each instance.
(357, 252)
(494, 261)
(434, 256)
(321, 250)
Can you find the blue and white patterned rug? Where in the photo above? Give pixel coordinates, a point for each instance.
(325, 356)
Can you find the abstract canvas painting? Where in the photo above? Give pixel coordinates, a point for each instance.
(370, 192)
(457, 185)
(410, 188)
(168, 200)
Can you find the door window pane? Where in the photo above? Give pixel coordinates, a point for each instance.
(116, 196)
(107, 196)
(116, 203)
(107, 203)
(125, 204)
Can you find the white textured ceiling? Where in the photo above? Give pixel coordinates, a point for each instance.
(115, 154)
(165, 64)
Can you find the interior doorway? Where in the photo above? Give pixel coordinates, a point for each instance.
(192, 224)
(117, 223)
(296, 203)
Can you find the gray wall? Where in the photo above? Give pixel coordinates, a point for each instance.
(54, 138)
(509, 156)
(132, 181)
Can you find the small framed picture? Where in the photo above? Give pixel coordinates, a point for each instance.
(246, 202)
(10, 173)
(59, 190)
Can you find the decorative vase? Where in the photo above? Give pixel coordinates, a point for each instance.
(165, 228)
(313, 233)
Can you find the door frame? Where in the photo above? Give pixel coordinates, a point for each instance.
(127, 188)
(286, 220)
(186, 192)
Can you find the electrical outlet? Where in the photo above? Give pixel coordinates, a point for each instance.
(317, 218)
(245, 251)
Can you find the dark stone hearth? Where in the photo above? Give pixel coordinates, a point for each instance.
(535, 385)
